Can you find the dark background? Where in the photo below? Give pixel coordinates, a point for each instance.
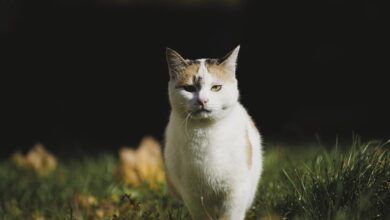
(92, 74)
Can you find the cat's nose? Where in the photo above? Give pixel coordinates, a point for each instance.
(202, 101)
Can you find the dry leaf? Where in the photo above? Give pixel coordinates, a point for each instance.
(271, 216)
(84, 204)
(84, 200)
(106, 208)
(37, 159)
(142, 165)
(127, 169)
(37, 216)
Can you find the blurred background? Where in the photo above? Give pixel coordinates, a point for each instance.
(91, 75)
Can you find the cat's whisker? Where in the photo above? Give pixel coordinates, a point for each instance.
(186, 124)
(185, 118)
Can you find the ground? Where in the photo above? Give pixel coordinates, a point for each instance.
(347, 181)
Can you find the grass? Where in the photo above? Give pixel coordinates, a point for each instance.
(346, 182)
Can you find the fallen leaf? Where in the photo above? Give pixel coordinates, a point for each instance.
(84, 200)
(37, 159)
(37, 216)
(144, 164)
(272, 216)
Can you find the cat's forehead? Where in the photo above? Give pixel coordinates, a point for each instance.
(204, 69)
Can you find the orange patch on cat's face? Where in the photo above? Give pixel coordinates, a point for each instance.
(220, 72)
(188, 74)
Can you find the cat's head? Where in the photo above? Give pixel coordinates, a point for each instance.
(202, 88)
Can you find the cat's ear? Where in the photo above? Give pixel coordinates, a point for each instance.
(176, 63)
(229, 61)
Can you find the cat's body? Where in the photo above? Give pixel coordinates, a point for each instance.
(213, 149)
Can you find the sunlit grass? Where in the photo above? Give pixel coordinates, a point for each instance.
(351, 182)
(347, 182)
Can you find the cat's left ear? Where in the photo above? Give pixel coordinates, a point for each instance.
(229, 61)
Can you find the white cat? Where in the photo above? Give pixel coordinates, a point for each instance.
(213, 155)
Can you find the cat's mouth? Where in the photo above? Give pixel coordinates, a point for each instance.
(202, 110)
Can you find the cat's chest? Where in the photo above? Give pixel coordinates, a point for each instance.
(210, 154)
(206, 144)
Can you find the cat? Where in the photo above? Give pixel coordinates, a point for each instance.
(213, 153)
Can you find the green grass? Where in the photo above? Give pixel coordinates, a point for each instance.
(346, 182)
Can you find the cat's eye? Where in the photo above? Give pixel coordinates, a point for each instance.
(189, 88)
(216, 88)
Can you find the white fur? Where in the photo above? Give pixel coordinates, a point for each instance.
(206, 156)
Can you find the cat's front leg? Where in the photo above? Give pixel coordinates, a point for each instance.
(234, 213)
(197, 209)
(237, 203)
